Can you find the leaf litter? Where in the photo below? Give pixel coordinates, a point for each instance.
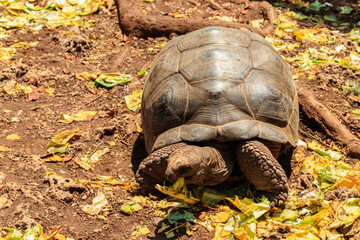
(306, 215)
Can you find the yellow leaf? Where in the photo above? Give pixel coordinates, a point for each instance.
(5, 149)
(6, 53)
(314, 35)
(178, 191)
(83, 164)
(221, 217)
(95, 157)
(10, 88)
(138, 128)
(89, 76)
(26, 89)
(4, 202)
(50, 91)
(140, 231)
(347, 213)
(84, 115)
(13, 137)
(221, 233)
(98, 205)
(322, 218)
(133, 101)
(67, 119)
(27, 44)
(57, 158)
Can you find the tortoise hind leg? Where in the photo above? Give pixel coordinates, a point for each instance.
(263, 170)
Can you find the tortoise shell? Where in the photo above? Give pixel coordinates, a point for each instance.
(219, 84)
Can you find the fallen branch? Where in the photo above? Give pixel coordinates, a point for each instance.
(133, 22)
(318, 112)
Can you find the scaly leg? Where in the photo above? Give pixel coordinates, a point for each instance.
(263, 170)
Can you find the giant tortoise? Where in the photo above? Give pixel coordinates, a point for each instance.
(215, 97)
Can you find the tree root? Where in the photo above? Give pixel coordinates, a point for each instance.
(318, 112)
(133, 22)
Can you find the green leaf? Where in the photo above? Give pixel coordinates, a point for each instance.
(208, 196)
(109, 81)
(331, 18)
(316, 6)
(13, 234)
(249, 207)
(286, 215)
(173, 217)
(132, 206)
(345, 9)
(142, 73)
(356, 111)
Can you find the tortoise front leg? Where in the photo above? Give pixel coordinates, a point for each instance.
(152, 169)
(263, 170)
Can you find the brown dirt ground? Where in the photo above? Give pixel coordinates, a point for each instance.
(62, 53)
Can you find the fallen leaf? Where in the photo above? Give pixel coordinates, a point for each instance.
(57, 158)
(50, 91)
(140, 231)
(133, 101)
(84, 115)
(98, 205)
(4, 202)
(34, 95)
(60, 142)
(13, 137)
(178, 191)
(5, 149)
(83, 164)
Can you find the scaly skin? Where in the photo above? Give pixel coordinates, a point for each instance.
(197, 165)
(263, 171)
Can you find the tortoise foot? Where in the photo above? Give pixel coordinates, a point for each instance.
(152, 169)
(263, 170)
(276, 198)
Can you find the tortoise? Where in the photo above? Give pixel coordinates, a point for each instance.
(214, 98)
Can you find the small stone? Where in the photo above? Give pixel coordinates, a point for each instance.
(156, 159)
(264, 157)
(283, 179)
(257, 154)
(278, 172)
(286, 186)
(273, 181)
(266, 173)
(250, 148)
(165, 155)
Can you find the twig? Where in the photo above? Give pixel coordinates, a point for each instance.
(214, 5)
